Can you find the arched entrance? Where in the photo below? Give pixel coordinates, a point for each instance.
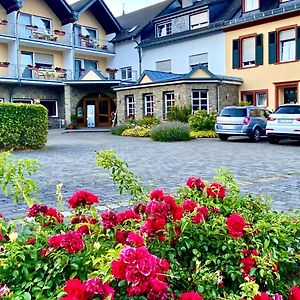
(95, 111)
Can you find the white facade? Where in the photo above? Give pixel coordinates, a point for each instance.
(179, 53)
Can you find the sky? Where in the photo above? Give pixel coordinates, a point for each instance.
(116, 6)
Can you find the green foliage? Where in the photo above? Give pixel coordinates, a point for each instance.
(171, 132)
(121, 176)
(202, 120)
(180, 113)
(137, 131)
(23, 126)
(203, 134)
(15, 178)
(119, 129)
(146, 121)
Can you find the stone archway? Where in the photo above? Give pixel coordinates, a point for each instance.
(95, 110)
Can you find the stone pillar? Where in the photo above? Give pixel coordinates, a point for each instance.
(68, 108)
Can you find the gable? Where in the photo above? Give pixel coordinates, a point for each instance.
(3, 14)
(92, 75)
(145, 79)
(199, 73)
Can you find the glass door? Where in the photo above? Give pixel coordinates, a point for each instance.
(27, 64)
(104, 112)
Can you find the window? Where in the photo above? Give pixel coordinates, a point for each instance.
(195, 60)
(126, 73)
(200, 100)
(250, 5)
(43, 61)
(44, 25)
(199, 20)
(51, 105)
(164, 29)
(90, 64)
(248, 52)
(290, 95)
(169, 102)
(258, 98)
(148, 105)
(130, 106)
(23, 100)
(287, 45)
(85, 36)
(164, 65)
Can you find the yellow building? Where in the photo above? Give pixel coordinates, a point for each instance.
(263, 48)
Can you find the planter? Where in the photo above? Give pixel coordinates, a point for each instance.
(3, 22)
(31, 27)
(59, 32)
(4, 64)
(60, 70)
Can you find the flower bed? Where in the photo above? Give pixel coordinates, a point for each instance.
(206, 242)
(203, 134)
(138, 131)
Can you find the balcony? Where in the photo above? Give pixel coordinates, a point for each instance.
(85, 43)
(7, 70)
(35, 73)
(6, 28)
(32, 33)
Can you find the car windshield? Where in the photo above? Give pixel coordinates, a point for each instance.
(293, 110)
(234, 112)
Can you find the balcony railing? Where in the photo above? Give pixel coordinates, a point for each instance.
(41, 34)
(93, 43)
(7, 70)
(6, 28)
(55, 74)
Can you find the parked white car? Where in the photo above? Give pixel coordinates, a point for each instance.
(284, 123)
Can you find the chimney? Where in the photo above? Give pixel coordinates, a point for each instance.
(187, 3)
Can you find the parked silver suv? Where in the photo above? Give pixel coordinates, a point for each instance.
(248, 121)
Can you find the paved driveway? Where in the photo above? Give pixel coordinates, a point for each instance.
(70, 158)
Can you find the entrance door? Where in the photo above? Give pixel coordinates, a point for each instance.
(90, 107)
(104, 112)
(290, 95)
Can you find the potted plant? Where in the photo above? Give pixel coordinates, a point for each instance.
(31, 27)
(3, 22)
(4, 64)
(60, 70)
(59, 32)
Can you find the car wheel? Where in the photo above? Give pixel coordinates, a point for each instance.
(273, 139)
(256, 135)
(223, 137)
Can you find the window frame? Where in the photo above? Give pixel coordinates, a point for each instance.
(242, 39)
(128, 115)
(23, 100)
(193, 66)
(244, 6)
(278, 43)
(201, 25)
(163, 24)
(173, 100)
(200, 99)
(56, 107)
(126, 69)
(146, 97)
(254, 93)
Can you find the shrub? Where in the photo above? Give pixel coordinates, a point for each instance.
(203, 134)
(202, 120)
(171, 132)
(119, 129)
(137, 131)
(147, 121)
(208, 239)
(23, 126)
(180, 113)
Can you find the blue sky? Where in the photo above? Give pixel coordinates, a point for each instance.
(116, 6)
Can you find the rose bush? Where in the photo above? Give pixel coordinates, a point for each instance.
(208, 241)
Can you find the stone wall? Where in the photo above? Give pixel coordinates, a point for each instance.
(180, 24)
(228, 95)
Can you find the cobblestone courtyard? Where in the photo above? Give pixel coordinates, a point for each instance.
(70, 158)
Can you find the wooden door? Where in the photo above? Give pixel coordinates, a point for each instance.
(103, 118)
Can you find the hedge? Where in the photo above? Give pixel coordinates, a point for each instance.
(23, 126)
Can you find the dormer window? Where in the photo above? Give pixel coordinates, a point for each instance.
(164, 29)
(199, 20)
(250, 5)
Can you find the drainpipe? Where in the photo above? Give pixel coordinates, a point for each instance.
(139, 49)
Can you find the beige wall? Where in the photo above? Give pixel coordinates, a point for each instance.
(101, 62)
(41, 9)
(3, 14)
(263, 77)
(3, 58)
(89, 20)
(57, 56)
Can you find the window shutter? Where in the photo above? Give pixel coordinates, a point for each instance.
(298, 43)
(236, 54)
(259, 51)
(272, 47)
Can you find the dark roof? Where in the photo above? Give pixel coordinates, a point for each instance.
(62, 10)
(141, 17)
(10, 5)
(100, 11)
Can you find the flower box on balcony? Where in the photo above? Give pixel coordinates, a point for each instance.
(59, 32)
(60, 70)
(31, 27)
(4, 64)
(84, 37)
(3, 22)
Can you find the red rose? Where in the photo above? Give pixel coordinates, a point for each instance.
(159, 223)
(202, 215)
(190, 296)
(121, 236)
(216, 190)
(45, 251)
(248, 263)
(157, 195)
(262, 296)
(235, 225)
(135, 239)
(109, 219)
(195, 183)
(128, 255)
(31, 241)
(82, 198)
(118, 269)
(294, 293)
(158, 286)
(139, 208)
(83, 230)
(189, 205)
(55, 241)
(54, 215)
(127, 215)
(75, 289)
(177, 213)
(216, 210)
(72, 242)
